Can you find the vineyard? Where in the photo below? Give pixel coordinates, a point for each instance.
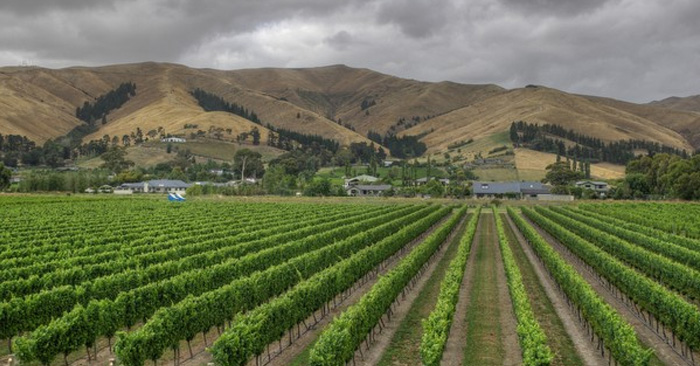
(140, 281)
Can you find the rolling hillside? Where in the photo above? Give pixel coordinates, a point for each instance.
(691, 103)
(595, 117)
(337, 102)
(338, 92)
(41, 103)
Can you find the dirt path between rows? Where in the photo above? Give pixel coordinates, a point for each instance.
(573, 328)
(201, 342)
(288, 355)
(665, 352)
(373, 355)
(509, 324)
(491, 338)
(454, 348)
(306, 339)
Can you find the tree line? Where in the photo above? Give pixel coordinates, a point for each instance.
(537, 137)
(661, 176)
(401, 147)
(281, 138)
(214, 103)
(15, 149)
(114, 99)
(284, 139)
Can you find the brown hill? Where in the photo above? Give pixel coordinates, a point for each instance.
(338, 92)
(336, 102)
(590, 116)
(684, 122)
(691, 103)
(41, 103)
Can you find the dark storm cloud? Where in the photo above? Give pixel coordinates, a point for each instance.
(556, 7)
(416, 18)
(341, 40)
(630, 49)
(29, 7)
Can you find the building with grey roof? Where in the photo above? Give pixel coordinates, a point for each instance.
(529, 190)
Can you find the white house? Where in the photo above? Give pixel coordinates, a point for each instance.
(153, 186)
(174, 139)
(364, 178)
(367, 190)
(422, 181)
(601, 188)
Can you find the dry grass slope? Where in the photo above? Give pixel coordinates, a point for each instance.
(531, 165)
(40, 103)
(691, 103)
(543, 105)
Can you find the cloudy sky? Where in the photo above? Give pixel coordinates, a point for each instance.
(635, 50)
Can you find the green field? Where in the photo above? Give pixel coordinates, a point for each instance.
(233, 280)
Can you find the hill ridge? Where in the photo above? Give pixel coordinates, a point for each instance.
(334, 101)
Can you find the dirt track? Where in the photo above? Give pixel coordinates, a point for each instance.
(665, 352)
(573, 328)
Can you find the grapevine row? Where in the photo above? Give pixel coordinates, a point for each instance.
(688, 243)
(178, 256)
(184, 320)
(138, 243)
(106, 316)
(669, 217)
(669, 250)
(25, 314)
(667, 307)
(664, 270)
(617, 335)
(437, 326)
(533, 341)
(338, 342)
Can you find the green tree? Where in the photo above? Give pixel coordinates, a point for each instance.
(246, 161)
(434, 188)
(255, 133)
(514, 137)
(372, 167)
(177, 173)
(115, 160)
(687, 186)
(276, 181)
(428, 173)
(560, 174)
(5, 176)
(130, 176)
(318, 187)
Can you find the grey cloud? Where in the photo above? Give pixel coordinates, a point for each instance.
(416, 18)
(32, 7)
(634, 50)
(340, 41)
(556, 7)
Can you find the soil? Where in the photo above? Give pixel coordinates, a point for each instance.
(666, 354)
(289, 354)
(453, 354)
(372, 355)
(404, 348)
(509, 324)
(202, 357)
(573, 328)
(490, 316)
